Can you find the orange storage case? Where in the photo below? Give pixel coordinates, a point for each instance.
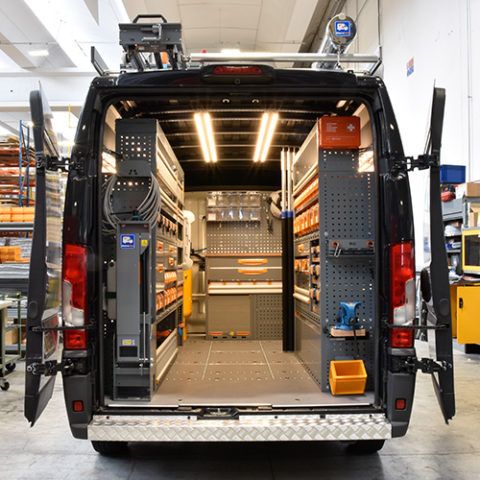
(347, 377)
(339, 132)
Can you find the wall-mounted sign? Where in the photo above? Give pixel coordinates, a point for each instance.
(410, 67)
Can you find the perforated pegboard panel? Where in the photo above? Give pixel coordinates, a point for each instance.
(245, 237)
(136, 146)
(347, 198)
(267, 316)
(136, 142)
(348, 206)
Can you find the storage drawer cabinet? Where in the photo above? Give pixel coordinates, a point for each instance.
(244, 269)
(229, 314)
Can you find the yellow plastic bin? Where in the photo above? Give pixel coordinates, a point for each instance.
(347, 377)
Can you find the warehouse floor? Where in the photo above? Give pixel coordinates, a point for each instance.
(431, 450)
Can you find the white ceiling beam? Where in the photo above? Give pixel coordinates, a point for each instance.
(92, 6)
(15, 53)
(10, 128)
(67, 89)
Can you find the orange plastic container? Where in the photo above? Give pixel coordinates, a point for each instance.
(339, 132)
(347, 377)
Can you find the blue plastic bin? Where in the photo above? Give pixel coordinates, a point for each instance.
(452, 174)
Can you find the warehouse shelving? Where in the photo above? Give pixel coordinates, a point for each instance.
(17, 186)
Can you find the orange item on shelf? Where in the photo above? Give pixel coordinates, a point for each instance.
(10, 254)
(339, 132)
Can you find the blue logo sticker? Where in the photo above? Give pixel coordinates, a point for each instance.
(127, 240)
(343, 28)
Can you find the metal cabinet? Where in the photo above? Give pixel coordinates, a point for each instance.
(467, 314)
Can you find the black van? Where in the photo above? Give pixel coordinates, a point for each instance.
(253, 407)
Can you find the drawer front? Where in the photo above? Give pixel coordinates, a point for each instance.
(244, 268)
(229, 314)
(241, 262)
(244, 274)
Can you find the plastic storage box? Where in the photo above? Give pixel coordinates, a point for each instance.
(347, 377)
(452, 174)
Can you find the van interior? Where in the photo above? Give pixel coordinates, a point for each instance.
(193, 302)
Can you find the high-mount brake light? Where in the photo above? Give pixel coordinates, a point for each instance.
(402, 294)
(74, 296)
(237, 70)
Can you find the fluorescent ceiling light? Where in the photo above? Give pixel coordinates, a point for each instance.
(203, 123)
(341, 103)
(39, 53)
(265, 135)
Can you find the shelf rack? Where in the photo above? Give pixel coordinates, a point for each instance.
(17, 169)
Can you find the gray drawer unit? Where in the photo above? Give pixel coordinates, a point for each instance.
(229, 314)
(251, 316)
(244, 269)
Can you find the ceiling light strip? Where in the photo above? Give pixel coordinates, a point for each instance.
(269, 136)
(261, 136)
(207, 121)
(203, 123)
(265, 136)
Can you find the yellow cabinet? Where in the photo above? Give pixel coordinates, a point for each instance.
(468, 314)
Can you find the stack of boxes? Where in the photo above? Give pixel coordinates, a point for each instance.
(17, 214)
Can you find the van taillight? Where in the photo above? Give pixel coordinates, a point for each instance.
(237, 70)
(402, 294)
(74, 296)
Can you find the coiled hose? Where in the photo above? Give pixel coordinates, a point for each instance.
(147, 211)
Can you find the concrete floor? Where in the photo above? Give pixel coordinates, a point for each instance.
(431, 450)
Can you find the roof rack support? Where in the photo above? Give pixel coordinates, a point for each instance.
(284, 57)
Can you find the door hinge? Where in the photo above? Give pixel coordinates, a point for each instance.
(426, 365)
(408, 164)
(49, 368)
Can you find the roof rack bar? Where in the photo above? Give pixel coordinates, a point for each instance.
(284, 57)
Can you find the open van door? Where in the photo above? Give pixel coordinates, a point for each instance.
(434, 284)
(44, 290)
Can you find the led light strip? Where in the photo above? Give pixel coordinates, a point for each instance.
(265, 135)
(203, 122)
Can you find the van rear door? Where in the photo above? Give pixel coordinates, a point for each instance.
(436, 316)
(44, 290)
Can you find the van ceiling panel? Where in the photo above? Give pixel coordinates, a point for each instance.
(236, 120)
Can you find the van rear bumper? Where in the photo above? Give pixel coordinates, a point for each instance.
(253, 428)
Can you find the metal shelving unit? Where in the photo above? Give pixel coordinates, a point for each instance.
(17, 183)
(7, 361)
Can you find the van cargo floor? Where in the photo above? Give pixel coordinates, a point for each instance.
(240, 373)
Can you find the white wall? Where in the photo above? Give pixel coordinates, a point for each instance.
(436, 34)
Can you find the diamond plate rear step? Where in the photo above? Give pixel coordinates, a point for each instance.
(253, 428)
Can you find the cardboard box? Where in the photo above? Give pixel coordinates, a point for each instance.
(11, 337)
(474, 215)
(339, 132)
(472, 189)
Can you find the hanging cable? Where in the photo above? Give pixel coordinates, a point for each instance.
(147, 211)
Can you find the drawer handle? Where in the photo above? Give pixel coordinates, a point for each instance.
(246, 271)
(252, 261)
